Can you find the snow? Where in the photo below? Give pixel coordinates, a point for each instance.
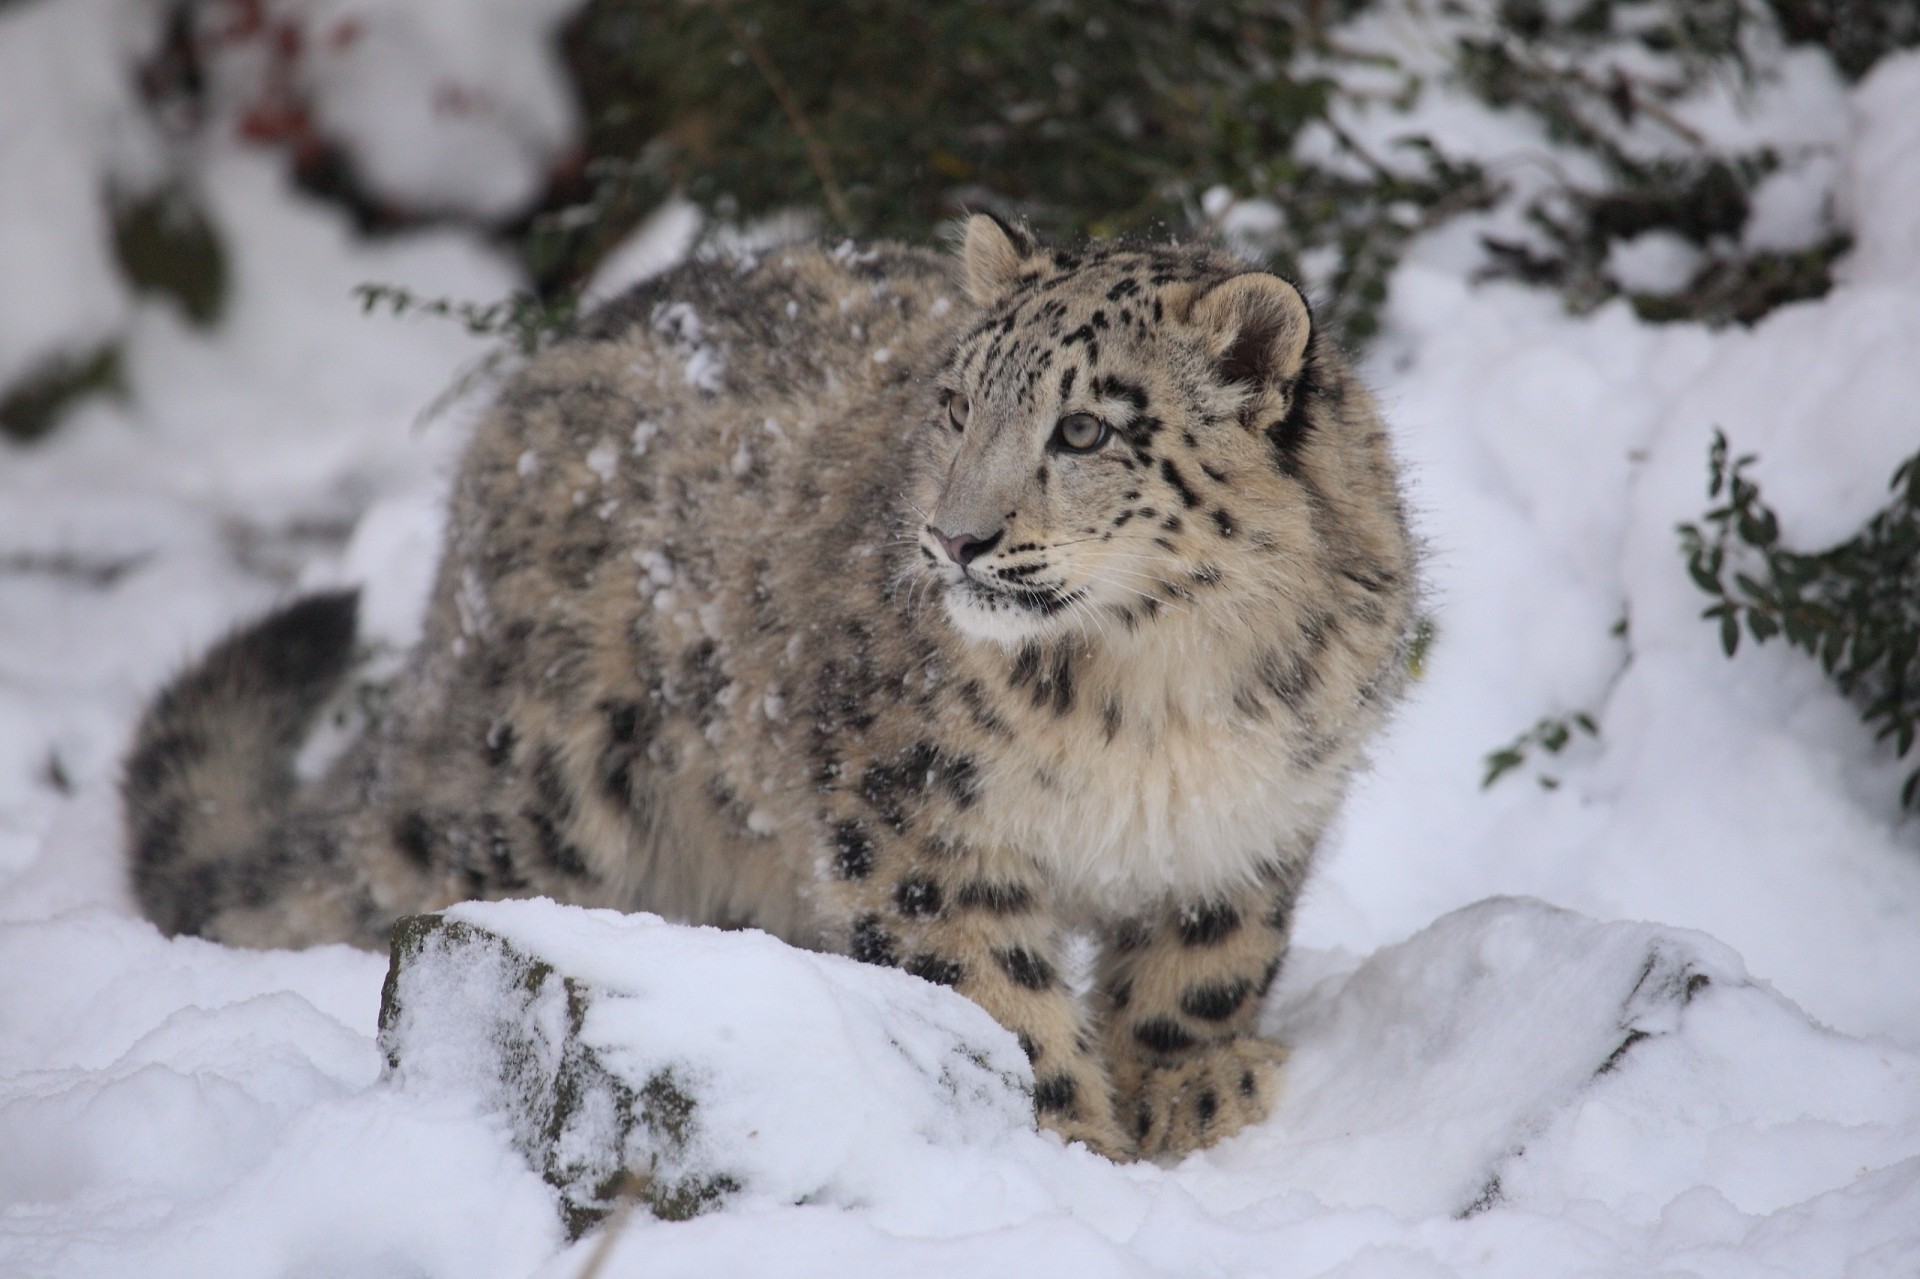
(1654, 262)
(1878, 196)
(440, 105)
(1662, 1018)
(449, 104)
(62, 293)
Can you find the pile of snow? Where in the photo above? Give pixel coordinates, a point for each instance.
(1513, 1089)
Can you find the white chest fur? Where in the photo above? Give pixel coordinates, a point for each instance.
(1184, 802)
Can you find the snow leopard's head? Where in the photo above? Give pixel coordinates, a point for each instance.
(1124, 435)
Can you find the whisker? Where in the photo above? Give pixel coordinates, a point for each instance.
(1115, 575)
(1173, 604)
(1101, 622)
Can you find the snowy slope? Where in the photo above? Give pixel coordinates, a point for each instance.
(1483, 1083)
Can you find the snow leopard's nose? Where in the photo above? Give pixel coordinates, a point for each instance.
(964, 548)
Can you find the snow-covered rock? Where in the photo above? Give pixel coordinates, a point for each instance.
(1515, 1053)
(717, 1066)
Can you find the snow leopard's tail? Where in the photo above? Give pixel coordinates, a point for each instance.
(211, 771)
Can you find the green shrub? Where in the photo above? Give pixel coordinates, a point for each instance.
(1854, 606)
(1085, 115)
(890, 117)
(1114, 117)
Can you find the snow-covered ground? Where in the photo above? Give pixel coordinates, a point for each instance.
(1701, 1058)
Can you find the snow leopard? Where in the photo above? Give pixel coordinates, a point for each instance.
(1015, 615)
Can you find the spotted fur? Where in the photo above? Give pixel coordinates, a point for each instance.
(915, 612)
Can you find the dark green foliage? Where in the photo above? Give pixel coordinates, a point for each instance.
(166, 245)
(1562, 70)
(1104, 117)
(1113, 117)
(1854, 606)
(33, 406)
(1098, 116)
(1742, 288)
(1085, 117)
(1858, 33)
(1552, 735)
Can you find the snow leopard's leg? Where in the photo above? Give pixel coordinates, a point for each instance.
(980, 922)
(1178, 994)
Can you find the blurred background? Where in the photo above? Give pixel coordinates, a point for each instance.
(1308, 132)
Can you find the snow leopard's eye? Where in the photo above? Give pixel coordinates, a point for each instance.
(1080, 433)
(958, 407)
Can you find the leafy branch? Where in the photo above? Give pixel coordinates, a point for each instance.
(1552, 734)
(530, 322)
(1854, 606)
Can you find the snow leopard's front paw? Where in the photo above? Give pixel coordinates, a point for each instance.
(1212, 1092)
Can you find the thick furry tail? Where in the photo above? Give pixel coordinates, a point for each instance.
(211, 771)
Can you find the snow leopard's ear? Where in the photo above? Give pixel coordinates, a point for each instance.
(992, 254)
(1256, 327)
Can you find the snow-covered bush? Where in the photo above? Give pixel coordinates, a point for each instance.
(1104, 117)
